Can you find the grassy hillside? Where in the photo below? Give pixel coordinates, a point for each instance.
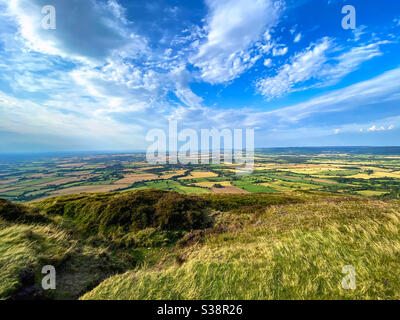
(162, 245)
(286, 252)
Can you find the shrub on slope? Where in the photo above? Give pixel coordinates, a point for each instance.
(249, 202)
(122, 213)
(15, 212)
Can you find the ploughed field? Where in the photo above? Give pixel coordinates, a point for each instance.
(155, 244)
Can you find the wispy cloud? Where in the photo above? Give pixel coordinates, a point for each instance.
(381, 128)
(316, 63)
(233, 27)
(304, 66)
(280, 51)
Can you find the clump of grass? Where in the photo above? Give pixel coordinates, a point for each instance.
(24, 247)
(118, 214)
(292, 252)
(15, 212)
(81, 262)
(151, 238)
(243, 203)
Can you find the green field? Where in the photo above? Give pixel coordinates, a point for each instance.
(370, 175)
(169, 186)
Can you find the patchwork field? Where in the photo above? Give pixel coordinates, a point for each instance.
(364, 173)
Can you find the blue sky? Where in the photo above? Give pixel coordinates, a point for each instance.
(114, 69)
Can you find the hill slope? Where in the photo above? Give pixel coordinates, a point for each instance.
(161, 245)
(287, 252)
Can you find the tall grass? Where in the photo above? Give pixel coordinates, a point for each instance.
(26, 248)
(287, 252)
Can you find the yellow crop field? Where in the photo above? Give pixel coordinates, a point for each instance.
(135, 177)
(8, 189)
(172, 174)
(371, 193)
(200, 174)
(309, 170)
(89, 189)
(377, 174)
(210, 184)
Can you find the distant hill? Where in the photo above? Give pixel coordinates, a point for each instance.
(332, 150)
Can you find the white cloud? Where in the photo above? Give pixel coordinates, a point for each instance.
(297, 38)
(280, 51)
(358, 32)
(373, 128)
(233, 27)
(27, 118)
(350, 61)
(267, 62)
(380, 128)
(304, 66)
(381, 92)
(100, 94)
(103, 80)
(315, 63)
(180, 77)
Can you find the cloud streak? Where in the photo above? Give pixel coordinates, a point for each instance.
(232, 28)
(315, 64)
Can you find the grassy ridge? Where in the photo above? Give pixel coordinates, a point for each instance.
(287, 252)
(163, 245)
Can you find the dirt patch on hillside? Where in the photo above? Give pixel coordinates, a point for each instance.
(229, 190)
